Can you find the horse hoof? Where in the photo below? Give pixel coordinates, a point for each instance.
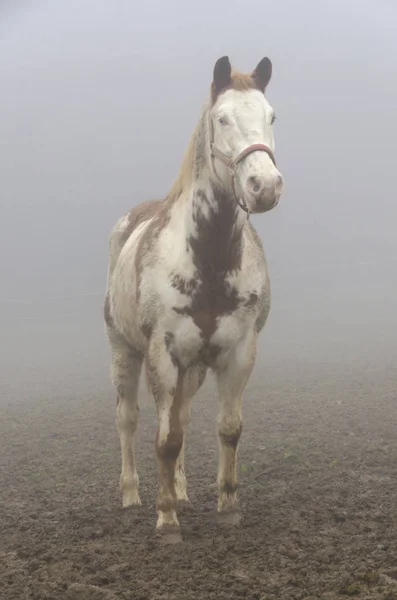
(130, 497)
(131, 503)
(229, 519)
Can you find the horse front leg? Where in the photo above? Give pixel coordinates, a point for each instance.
(232, 378)
(166, 383)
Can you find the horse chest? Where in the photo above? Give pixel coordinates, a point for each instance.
(210, 322)
(208, 302)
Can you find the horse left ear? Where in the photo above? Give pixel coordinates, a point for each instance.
(262, 73)
(222, 76)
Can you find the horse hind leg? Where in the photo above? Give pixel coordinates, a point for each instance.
(126, 370)
(180, 480)
(193, 380)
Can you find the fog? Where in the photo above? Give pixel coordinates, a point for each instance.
(98, 101)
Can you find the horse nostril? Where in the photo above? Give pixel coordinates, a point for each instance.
(255, 184)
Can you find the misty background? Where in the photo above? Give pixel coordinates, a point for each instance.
(97, 104)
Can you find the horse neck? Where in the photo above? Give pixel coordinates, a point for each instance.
(214, 221)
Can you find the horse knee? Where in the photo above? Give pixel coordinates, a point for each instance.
(229, 430)
(170, 447)
(127, 416)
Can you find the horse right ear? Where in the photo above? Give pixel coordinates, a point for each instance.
(222, 76)
(263, 73)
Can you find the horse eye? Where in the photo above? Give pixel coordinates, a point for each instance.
(222, 121)
(273, 119)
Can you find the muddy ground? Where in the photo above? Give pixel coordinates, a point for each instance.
(318, 467)
(317, 464)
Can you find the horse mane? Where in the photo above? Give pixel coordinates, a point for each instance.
(242, 82)
(185, 174)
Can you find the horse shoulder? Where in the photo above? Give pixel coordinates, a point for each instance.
(257, 285)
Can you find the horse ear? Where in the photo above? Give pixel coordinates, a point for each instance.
(263, 73)
(222, 75)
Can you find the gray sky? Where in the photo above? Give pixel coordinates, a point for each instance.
(91, 90)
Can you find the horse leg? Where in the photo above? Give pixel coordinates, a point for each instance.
(166, 385)
(232, 378)
(126, 370)
(180, 475)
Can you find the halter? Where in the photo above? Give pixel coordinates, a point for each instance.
(232, 164)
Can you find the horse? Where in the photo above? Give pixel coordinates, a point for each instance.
(188, 288)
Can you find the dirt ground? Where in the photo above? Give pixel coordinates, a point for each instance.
(318, 466)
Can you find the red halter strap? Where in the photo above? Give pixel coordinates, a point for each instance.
(232, 164)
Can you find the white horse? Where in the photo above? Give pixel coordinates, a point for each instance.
(188, 287)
